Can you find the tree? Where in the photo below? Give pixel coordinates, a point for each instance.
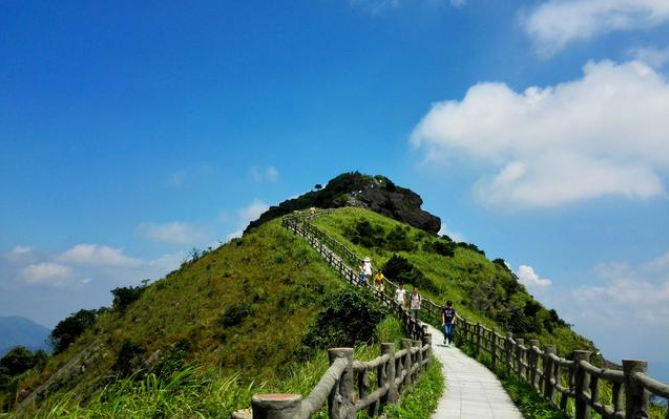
(124, 296)
(17, 361)
(318, 187)
(68, 330)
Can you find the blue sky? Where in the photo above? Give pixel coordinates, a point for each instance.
(131, 133)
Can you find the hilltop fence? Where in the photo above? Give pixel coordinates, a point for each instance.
(571, 384)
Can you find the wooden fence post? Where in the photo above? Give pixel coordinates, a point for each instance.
(493, 343)
(533, 360)
(479, 332)
(582, 381)
(549, 390)
(389, 374)
(520, 369)
(406, 365)
(508, 348)
(427, 340)
(636, 396)
(419, 357)
(341, 398)
(276, 406)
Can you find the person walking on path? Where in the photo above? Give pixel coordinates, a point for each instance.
(415, 303)
(448, 320)
(399, 294)
(367, 267)
(379, 280)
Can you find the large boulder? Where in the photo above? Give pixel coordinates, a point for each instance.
(376, 193)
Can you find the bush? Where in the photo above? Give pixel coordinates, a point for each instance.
(20, 359)
(348, 319)
(400, 270)
(128, 360)
(68, 330)
(366, 235)
(444, 248)
(125, 296)
(234, 315)
(397, 240)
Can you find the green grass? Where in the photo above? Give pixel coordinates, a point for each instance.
(457, 278)
(422, 401)
(276, 276)
(197, 392)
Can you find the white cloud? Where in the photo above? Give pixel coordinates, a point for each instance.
(642, 290)
(530, 279)
(269, 174)
(96, 255)
(246, 215)
(376, 7)
(20, 254)
(555, 23)
(46, 273)
(654, 57)
(601, 135)
(454, 235)
(21, 250)
(171, 233)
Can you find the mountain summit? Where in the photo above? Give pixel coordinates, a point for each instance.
(376, 193)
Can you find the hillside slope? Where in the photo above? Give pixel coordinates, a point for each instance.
(482, 290)
(244, 308)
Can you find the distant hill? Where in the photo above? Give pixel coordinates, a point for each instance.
(15, 330)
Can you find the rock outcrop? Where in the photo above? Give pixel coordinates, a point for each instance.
(377, 193)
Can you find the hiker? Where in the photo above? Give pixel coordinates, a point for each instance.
(399, 294)
(415, 303)
(361, 274)
(379, 280)
(367, 266)
(448, 320)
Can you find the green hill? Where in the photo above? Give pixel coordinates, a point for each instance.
(242, 318)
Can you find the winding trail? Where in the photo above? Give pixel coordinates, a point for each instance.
(472, 390)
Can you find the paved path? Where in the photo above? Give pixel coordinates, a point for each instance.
(472, 391)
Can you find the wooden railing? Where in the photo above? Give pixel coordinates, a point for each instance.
(563, 382)
(346, 386)
(575, 381)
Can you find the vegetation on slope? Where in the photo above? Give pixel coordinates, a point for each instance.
(482, 290)
(245, 309)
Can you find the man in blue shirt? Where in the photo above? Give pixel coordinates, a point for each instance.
(448, 319)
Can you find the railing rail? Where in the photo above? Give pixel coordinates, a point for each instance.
(572, 385)
(346, 386)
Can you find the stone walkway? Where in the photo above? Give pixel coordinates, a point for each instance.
(472, 391)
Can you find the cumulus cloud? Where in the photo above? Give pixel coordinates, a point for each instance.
(528, 277)
(643, 290)
(267, 174)
(46, 273)
(654, 57)
(555, 23)
(246, 215)
(176, 233)
(600, 135)
(96, 255)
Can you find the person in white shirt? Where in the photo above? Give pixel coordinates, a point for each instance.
(400, 293)
(415, 303)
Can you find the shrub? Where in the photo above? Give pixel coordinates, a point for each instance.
(444, 248)
(398, 240)
(399, 269)
(348, 319)
(68, 330)
(234, 315)
(125, 296)
(128, 360)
